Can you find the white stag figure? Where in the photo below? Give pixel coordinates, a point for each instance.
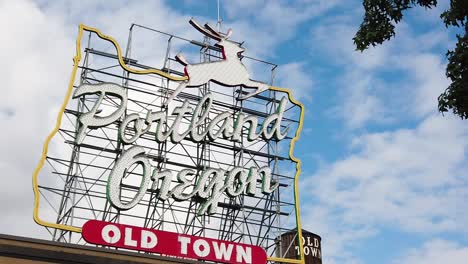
(229, 72)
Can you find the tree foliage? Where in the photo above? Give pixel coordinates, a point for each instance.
(378, 26)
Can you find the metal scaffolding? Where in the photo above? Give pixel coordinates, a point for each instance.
(76, 178)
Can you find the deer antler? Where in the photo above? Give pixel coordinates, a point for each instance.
(213, 31)
(229, 33)
(213, 35)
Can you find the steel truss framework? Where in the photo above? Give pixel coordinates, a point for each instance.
(74, 185)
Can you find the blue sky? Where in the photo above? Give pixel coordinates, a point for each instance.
(384, 176)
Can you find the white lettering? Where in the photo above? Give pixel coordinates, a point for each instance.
(202, 127)
(224, 128)
(166, 177)
(128, 238)
(199, 116)
(316, 243)
(267, 186)
(198, 244)
(184, 241)
(129, 157)
(235, 188)
(269, 130)
(90, 119)
(243, 254)
(110, 234)
(221, 252)
(178, 191)
(314, 251)
(211, 191)
(210, 186)
(306, 251)
(200, 123)
(137, 127)
(239, 124)
(251, 185)
(180, 111)
(148, 239)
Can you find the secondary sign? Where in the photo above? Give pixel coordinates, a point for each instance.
(172, 244)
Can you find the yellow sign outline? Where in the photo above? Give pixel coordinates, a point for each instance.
(76, 61)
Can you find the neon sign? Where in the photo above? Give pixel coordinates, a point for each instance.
(178, 120)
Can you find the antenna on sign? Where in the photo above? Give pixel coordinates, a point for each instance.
(218, 23)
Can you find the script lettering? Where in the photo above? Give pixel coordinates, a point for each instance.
(90, 119)
(211, 183)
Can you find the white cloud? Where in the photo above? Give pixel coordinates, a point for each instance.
(35, 66)
(361, 102)
(294, 76)
(436, 251)
(265, 26)
(400, 79)
(275, 12)
(408, 179)
(425, 80)
(408, 176)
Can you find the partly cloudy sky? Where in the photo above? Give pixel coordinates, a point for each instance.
(384, 176)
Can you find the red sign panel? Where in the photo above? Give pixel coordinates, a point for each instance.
(172, 244)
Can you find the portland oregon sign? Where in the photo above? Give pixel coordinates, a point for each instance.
(185, 155)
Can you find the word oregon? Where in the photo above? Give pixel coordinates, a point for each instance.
(211, 184)
(228, 128)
